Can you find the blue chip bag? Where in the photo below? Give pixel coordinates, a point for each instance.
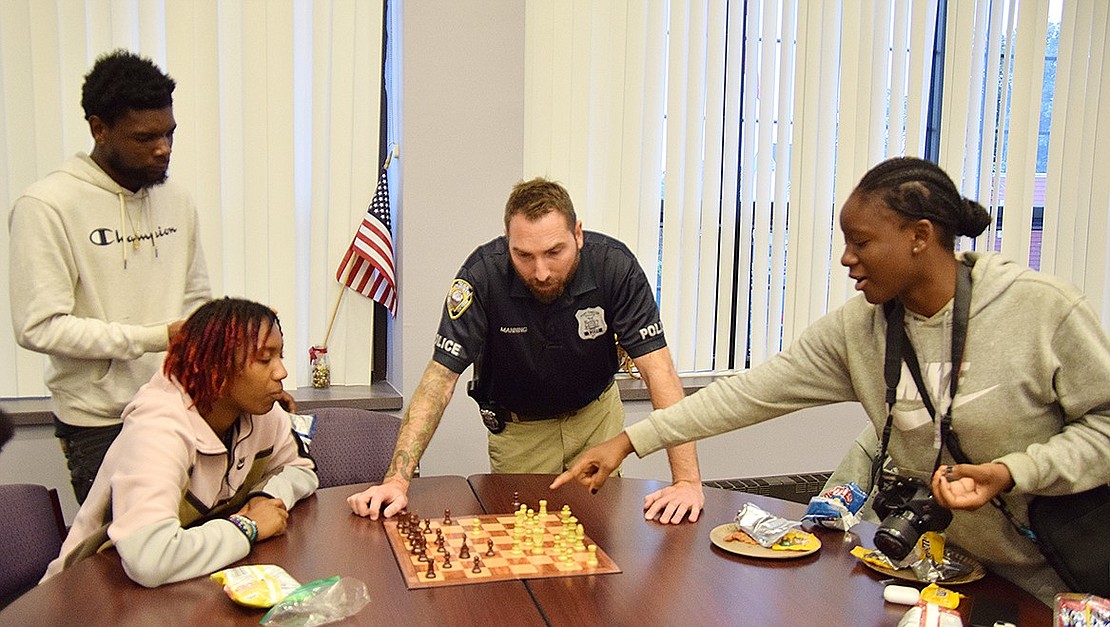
(838, 507)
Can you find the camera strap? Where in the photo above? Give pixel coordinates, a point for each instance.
(899, 350)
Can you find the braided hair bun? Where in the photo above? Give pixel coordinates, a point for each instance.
(919, 190)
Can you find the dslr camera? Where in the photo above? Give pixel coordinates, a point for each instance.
(907, 508)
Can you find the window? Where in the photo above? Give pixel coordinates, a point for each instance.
(719, 139)
(275, 103)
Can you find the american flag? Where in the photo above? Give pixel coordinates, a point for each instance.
(367, 267)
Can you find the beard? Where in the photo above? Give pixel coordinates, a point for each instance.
(143, 177)
(550, 291)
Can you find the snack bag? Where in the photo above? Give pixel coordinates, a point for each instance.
(943, 597)
(874, 557)
(928, 561)
(927, 558)
(764, 528)
(318, 603)
(930, 615)
(256, 585)
(1080, 610)
(838, 507)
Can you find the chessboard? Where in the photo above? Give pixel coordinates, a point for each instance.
(498, 547)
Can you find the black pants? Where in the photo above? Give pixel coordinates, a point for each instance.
(84, 448)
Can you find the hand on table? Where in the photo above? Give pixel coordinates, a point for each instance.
(593, 467)
(674, 502)
(970, 486)
(268, 514)
(370, 501)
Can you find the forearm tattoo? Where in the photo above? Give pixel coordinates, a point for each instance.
(421, 420)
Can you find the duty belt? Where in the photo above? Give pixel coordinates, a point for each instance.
(567, 414)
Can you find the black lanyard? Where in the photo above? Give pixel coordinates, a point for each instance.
(899, 349)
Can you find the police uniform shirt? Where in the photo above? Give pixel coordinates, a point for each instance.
(543, 360)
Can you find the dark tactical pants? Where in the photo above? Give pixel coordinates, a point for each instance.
(84, 448)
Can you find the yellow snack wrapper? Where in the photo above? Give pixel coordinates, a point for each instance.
(943, 597)
(874, 557)
(796, 540)
(932, 545)
(256, 585)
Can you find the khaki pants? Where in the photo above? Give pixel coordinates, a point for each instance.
(551, 446)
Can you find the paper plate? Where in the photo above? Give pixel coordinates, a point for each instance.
(720, 532)
(950, 553)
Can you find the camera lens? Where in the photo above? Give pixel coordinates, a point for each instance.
(896, 537)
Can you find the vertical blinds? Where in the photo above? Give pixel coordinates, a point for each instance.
(997, 69)
(730, 133)
(749, 125)
(278, 108)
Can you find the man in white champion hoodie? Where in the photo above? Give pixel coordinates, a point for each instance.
(105, 259)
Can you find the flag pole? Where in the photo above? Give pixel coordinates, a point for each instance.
(351, 267)
(335, 309)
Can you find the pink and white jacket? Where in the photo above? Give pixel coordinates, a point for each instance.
(168, 482)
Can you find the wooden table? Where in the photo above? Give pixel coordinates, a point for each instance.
(672, 574)
(323, 539)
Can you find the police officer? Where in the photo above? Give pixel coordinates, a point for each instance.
(540, 312)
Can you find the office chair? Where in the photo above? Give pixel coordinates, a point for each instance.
(31, 532)
(352, 445)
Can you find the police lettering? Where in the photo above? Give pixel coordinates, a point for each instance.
(651, 330)
(448, 346)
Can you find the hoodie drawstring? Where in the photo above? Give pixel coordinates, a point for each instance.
(123, 225)
(124, 220)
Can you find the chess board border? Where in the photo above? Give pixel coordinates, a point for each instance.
(543, 563)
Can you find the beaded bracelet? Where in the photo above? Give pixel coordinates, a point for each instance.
(246, 525)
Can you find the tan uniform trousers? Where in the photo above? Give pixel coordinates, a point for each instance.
(550, 446)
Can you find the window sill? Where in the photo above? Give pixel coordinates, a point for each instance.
(636, 390)
(379, 396)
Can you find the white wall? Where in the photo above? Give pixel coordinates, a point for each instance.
(811, 440)
(462, 137)
(461, 122)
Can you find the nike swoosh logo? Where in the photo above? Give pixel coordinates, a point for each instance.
(909, 420)
(963, 399)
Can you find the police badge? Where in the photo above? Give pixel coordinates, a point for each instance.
(492, 419)
(459, 298)
(591, 322)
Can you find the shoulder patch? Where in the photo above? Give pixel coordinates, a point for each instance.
(459, 298)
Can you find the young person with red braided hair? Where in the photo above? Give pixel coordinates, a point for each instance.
(207, 463)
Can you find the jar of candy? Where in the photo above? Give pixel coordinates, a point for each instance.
(321, 369)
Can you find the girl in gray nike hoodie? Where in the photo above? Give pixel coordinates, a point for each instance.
(1032, 405)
